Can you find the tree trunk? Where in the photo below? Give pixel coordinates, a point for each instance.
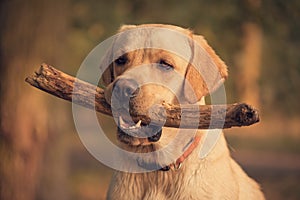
(248, 83)
(249, 60)
(26, 27)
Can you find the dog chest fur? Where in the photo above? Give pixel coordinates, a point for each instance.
(214, 177)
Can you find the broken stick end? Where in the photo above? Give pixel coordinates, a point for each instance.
(247, 115)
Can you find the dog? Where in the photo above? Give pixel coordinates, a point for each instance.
(141, 61)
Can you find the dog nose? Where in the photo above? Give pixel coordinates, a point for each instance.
(125, 88)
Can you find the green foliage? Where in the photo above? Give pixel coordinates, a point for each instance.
(280, 78)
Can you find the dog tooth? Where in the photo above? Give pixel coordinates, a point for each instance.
(122, 123)
(138, 124)
(121, 120)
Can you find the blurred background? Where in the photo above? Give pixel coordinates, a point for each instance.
(40, 151)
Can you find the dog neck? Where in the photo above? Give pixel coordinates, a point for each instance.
(191, 146)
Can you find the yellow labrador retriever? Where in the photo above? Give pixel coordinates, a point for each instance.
(153, 64)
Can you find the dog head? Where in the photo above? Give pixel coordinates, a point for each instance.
(154, 64)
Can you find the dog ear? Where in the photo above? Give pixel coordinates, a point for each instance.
(106, 67)
(206, 71)
(107, 76)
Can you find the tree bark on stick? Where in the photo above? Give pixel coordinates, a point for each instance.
(59, 84)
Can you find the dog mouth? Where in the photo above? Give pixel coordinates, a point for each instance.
(129, 131)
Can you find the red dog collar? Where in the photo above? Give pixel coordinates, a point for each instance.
(194, 143)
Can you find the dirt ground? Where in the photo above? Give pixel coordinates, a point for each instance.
(277, 173)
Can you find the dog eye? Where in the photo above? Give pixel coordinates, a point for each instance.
(122, 60)
(165, 65)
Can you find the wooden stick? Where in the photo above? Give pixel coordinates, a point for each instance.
(59, 84)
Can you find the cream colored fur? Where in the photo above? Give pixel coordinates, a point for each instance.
(216, 176)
